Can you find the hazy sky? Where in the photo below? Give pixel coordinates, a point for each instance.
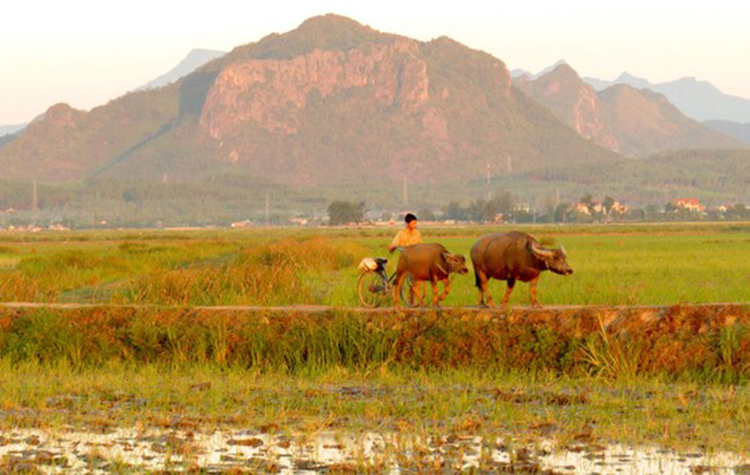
(86, 52)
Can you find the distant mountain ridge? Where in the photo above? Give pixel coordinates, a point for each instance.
(621, 118)
(699, 100)
(10, 129)
(736, 130)
(194, 60)
(518, 73)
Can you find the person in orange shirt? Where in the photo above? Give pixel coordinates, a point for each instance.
(408, 236)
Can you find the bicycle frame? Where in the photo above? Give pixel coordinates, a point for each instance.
(387, 282)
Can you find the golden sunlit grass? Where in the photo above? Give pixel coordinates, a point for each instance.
(614, 265)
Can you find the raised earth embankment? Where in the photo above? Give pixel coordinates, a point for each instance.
(709, 341)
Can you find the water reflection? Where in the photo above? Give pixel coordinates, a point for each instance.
(156, 449)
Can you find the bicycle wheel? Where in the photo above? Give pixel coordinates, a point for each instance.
(372, 289)
(405, 294)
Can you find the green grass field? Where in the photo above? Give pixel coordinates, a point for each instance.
(614, 265)
(433, 374)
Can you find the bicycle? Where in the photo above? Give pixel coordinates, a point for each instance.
(375, 287)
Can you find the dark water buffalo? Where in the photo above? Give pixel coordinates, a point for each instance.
(428, 262)
(514, 256)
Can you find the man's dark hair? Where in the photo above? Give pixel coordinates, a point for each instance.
(409, 218)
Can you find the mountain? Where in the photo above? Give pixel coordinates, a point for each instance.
(6, 139)
(699, 100)
(646, 123)
(330, 102)
(9, 133)
(517, 73)
(194, 60)
(633, 81)
(621, 118)
(10, 129)
(68, 144)
(736, 130)
(572, 101)
(715, 177)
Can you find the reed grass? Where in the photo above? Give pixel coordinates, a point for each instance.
(695, 344)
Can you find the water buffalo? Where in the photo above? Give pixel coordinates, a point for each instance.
(428, 262)
(514, 256)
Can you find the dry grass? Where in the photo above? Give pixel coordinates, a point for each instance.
(272, 273)
(697, 343)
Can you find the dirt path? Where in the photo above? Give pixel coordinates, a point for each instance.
(327, 308)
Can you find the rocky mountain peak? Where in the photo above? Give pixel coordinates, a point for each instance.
(59, 116)
(272, 94)
(573, 101)
(327, 32)
(331, 22)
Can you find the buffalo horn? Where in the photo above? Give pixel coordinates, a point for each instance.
(541, 252)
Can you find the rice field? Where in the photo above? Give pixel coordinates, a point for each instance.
(146, 381)
(616, 265)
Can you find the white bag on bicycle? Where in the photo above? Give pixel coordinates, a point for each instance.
(368, 263)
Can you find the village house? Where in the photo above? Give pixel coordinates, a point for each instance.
(299, 221)
(619, 208)
(692, 204)
(242, 224)
(598, 207)
(582, 208)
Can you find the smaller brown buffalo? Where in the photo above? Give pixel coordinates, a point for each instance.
(427, 262)
(514, 256)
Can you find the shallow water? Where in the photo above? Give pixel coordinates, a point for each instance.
(157, 449)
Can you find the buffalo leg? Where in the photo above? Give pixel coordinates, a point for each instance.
(508, 291)
(532, 289)
(397, 289)
(434, 283)
(446, 288)
(420, 290)
(483, 290)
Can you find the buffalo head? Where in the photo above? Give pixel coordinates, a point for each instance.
(456, 263)
(554, 259)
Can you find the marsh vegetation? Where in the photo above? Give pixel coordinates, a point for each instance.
(440, 390)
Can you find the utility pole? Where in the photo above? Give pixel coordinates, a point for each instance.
(488, 181)
(34, 197)
(267, 209)
(406, 194)
(510, 164)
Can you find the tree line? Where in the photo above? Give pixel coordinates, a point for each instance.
(504, 207)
